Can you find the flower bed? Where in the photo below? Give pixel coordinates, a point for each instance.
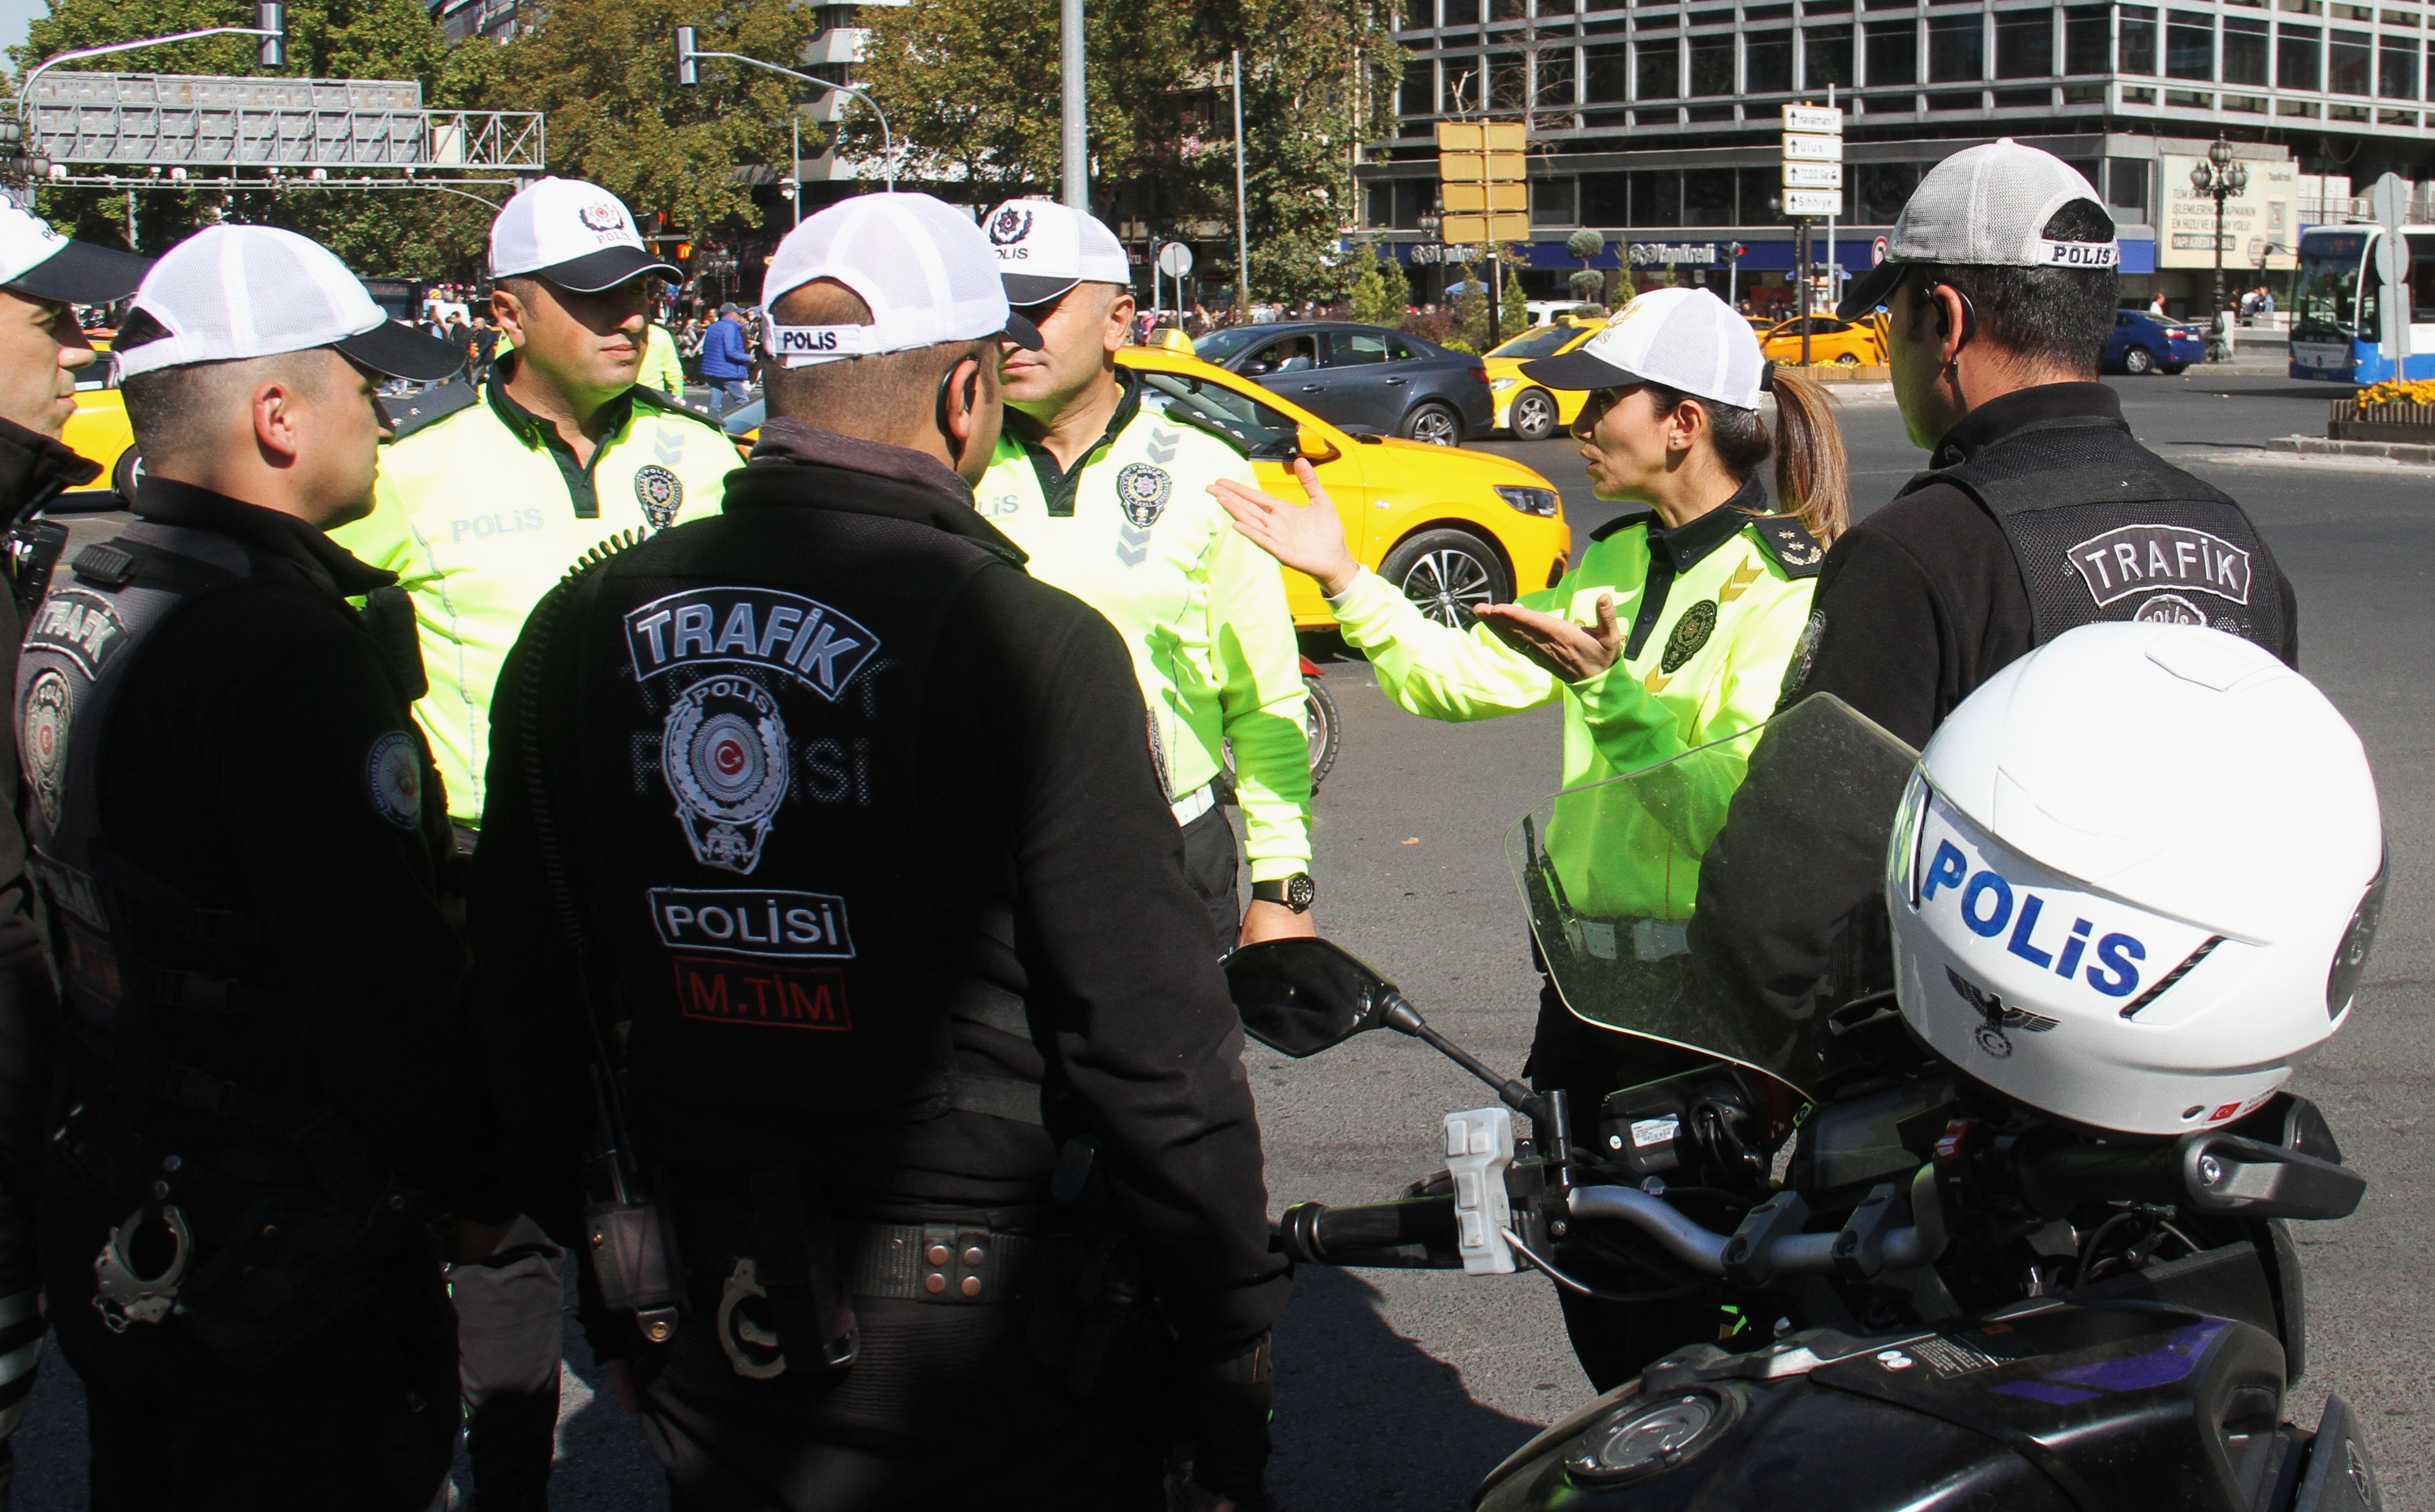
(2386, 412)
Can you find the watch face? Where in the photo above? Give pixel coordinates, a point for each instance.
(1300, 892)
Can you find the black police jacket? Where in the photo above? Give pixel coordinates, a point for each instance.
(1925, 599)
(258, 757)
(868, 849)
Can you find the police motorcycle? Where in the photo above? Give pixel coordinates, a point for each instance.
(2009, 1234)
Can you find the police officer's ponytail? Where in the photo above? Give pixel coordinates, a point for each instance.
(1812, 483)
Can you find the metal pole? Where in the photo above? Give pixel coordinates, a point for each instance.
(1242, 212)
(1078, 101)
(795, 173)
(1804, 256)
(2219, 251)
(1834, 265)
(133, 245)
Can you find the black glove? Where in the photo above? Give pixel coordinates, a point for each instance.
(1233, 1401)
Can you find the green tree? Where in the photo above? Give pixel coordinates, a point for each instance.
(1515, 315)
(1382, 295)
(1307, 104)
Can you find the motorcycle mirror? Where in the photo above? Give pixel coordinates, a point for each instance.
(1301, 996)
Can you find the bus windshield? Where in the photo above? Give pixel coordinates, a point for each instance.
(2327, 291)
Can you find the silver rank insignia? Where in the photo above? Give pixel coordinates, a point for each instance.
(723, 750)
(660, 494)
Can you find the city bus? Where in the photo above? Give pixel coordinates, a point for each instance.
(2335, 324)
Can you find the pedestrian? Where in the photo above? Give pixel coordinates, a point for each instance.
(492, 494)
(2155, 305)
(274, 1097)
(1674, 632)
(727, 361)
(1107, 490)
(969, 1185)
(663, 369)
(43, 351)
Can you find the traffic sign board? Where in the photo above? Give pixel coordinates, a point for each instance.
(1504, 226)
(1472, 199)
(1803, 148)
(1878, 252)
(1813, 118)
(1175, 260)
(1813, 175)
(1813, 202)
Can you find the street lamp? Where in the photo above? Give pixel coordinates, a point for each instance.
(2219, 179)
(688, 72)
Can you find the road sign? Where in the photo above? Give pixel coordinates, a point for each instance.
(1816, 118)
(1813, 202)
(1175, 260)
(1803, 147)
(1504, 226)
(1465, 198)
(1878, 252)
(1813, 175)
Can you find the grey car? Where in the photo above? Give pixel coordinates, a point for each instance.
(1362, 377)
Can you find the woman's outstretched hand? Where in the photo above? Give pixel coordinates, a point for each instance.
(1308, 538)
(1573, 652)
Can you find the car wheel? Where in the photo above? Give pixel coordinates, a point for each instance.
(1323, 727)
(1448, 574)
(2168, 368)
(1434, 424)
(2138, 359)
(1534, 415)
(1849, 359)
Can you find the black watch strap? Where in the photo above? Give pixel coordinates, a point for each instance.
(1297, 892)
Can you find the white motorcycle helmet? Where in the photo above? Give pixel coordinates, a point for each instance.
(2136, 878)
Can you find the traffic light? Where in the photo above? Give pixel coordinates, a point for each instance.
(1480, 171)
(684, 250)
(688, 72)
(271, 16)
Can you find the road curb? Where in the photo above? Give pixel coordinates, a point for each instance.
(2404, 454)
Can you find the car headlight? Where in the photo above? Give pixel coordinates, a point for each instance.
(1648, 1437)
(1500, 385)
(1541, 502)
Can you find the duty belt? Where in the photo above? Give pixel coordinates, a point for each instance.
(1195, 803)
(943, 1263)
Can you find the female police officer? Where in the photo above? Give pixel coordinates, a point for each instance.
(1673, 632)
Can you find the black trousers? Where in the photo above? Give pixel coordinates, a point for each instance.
(1212, 862)
(1613, 1341)
(946, 1406)
(362, 1414)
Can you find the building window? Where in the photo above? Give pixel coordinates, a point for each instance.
(1660, 70)
(1957, 49)
(1712, 64)
(2300, 57)
(2244, 51)
(1707, 200)
(2126, 185)
(1552, 202)
(2348, 64)
(1657, 198)
(1505, 10)
(1758, 195)
(2189, 45)
(1419, 89)
(1883, 188)
(2138, 40)
(1605, 72)
(1458, 12)
(2396, 68)
(2024, 44)
(1606, 199)
(1827, 57)
(1397, 203)
(1459, 81)
(1556, 77)
(1766, 63)
(2086, 41)
(1893, 52)
(1507, 83)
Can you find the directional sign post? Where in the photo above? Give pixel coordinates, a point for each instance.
(1813, 185)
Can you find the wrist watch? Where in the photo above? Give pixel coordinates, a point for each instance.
(1297, 892)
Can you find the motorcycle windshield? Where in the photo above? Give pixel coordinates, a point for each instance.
(1729, 901)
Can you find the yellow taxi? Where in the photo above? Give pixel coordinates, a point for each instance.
(99, 431)
(1529, 410)
(1452, 528)
(1830, 340)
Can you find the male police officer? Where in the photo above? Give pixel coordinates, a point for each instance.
(857, 825)
(1109, 494)
(233, 825)
(2039, 512)
(42, 352)
(486, 502)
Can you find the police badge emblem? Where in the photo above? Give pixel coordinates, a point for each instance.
(660, 494)
(394, 776)
(723, 751)
(1142, 490)
(1691, 632)
(44, 736)
(1009, 226)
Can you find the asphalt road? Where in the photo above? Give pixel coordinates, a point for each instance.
(1398, 1390)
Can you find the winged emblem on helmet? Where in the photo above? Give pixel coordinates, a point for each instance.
(1991, 1035)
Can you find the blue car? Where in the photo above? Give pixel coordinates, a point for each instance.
(2149, 343)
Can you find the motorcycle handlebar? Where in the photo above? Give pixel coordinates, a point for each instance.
(1413, 1233)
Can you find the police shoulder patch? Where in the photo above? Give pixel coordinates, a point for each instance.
(412, 414)
(1793, 547)
(393, 778)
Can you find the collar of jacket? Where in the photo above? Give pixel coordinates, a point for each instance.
(2022, 409)
(1689, 544)
(530, 428)
(924, 489)
(34, 469)
(168, 502)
